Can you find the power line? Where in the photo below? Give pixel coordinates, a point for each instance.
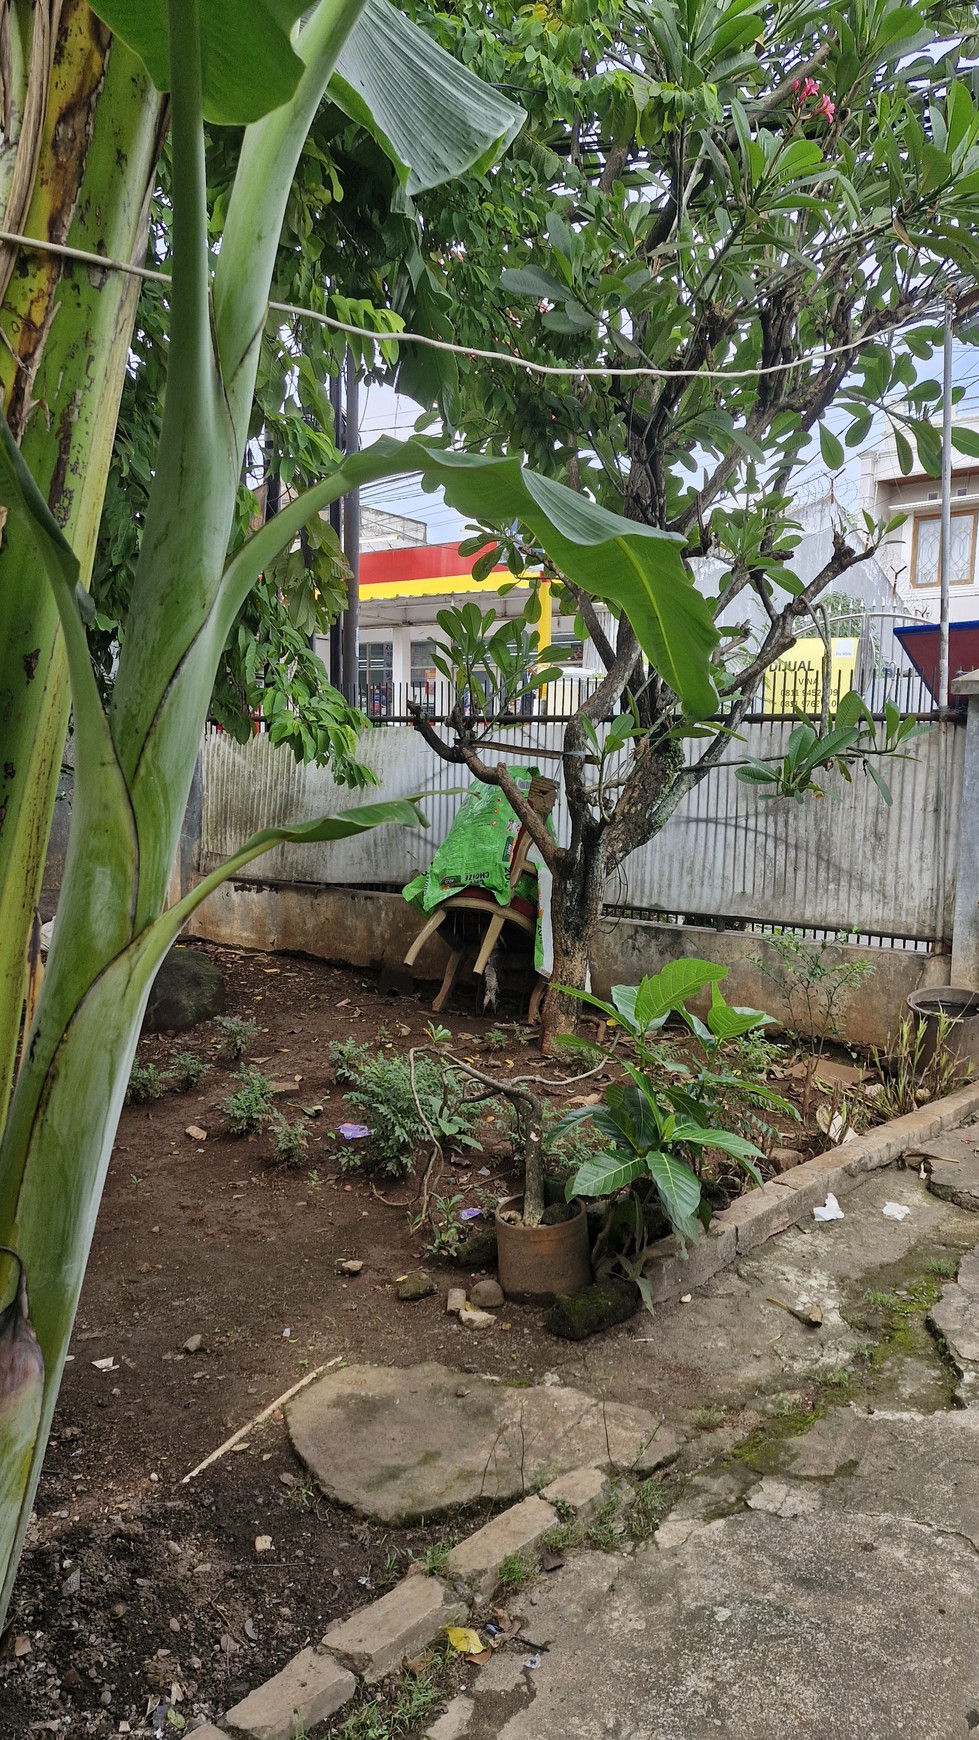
(105, 264)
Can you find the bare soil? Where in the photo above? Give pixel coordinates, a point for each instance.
(137, 1590)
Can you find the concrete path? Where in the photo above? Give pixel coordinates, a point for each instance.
(810, 1584)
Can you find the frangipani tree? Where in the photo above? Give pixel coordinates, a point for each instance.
(726, 220)
(236, 62)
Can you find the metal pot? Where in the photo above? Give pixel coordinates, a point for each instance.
(537, 1264)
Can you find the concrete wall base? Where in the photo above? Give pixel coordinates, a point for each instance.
(359, 928)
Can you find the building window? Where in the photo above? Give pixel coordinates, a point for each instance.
(572, 650)
(424, 676)
(926, 544)
(376, 678)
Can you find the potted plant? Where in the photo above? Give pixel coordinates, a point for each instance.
(668, 1114)
(542, 1249)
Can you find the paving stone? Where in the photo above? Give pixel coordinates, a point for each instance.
(402, 1443)
(309, 1689)
(454, 1722)
(208, 1732)
(956, 1180)
(956, 1317)
(968, 1275)
(476, 1562)
(584, 1489)
(373, 1641)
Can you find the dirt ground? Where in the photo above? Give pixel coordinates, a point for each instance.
(136, 1588)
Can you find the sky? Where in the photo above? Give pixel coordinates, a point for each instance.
(384, 412)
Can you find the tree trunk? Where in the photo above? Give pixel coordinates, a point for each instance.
(576, 905)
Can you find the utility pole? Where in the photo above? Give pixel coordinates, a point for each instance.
(350, 662)
(336, 405)
(945, 562)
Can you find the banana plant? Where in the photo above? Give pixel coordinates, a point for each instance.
(246, 63)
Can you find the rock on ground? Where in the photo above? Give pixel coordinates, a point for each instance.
(399, 1444)
(188, 988)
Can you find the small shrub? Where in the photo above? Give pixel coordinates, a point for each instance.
(248, 1107)
(815, 979)
(348, 1058)
(496, 1040)
(188, 1068)
(236, 1036)
(402, 1116)
(146, 1082)
(289, 1141)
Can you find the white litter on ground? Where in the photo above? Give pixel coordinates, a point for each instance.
(896, 1210)
(830, 1210)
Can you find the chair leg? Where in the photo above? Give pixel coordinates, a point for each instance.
(426, 931)
(449, 980)
(490, 940)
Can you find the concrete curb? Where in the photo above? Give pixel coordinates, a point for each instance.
(361, 1650)
(760, 1214)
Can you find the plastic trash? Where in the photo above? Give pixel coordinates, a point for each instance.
(470, 1213)
(896, 1210)
(353, 1132)
(830, 1210)
(532, 1661)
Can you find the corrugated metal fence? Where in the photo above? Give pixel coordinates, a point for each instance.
(845, 862)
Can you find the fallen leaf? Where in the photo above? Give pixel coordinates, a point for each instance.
(464, 1639)
(263, 1543)
(417, 1664)
(195, 1133)
(22, 1646)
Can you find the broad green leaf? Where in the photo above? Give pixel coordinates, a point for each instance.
(602, 1174)
(703, 1136)
(532, 281)
(831, 448)
(853, 710)
(726, 1022)
(635, 567)
(432, 117)
(664, 992)
(966, 440)
(249, 64)
(342, 825)
(678, 1185)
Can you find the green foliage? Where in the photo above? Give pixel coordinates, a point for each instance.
(249, 1105)
(146, 1082)
(188, 1067)
(236, 1035)
(851, 740)
(917, 1065)
(513, 1573)
(406, 1103)
(816, 980)
(659, 1127)
(289, 1141)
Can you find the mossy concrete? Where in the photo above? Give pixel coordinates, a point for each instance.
(400, 1444)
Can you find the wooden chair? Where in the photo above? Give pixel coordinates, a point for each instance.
(521, 911)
